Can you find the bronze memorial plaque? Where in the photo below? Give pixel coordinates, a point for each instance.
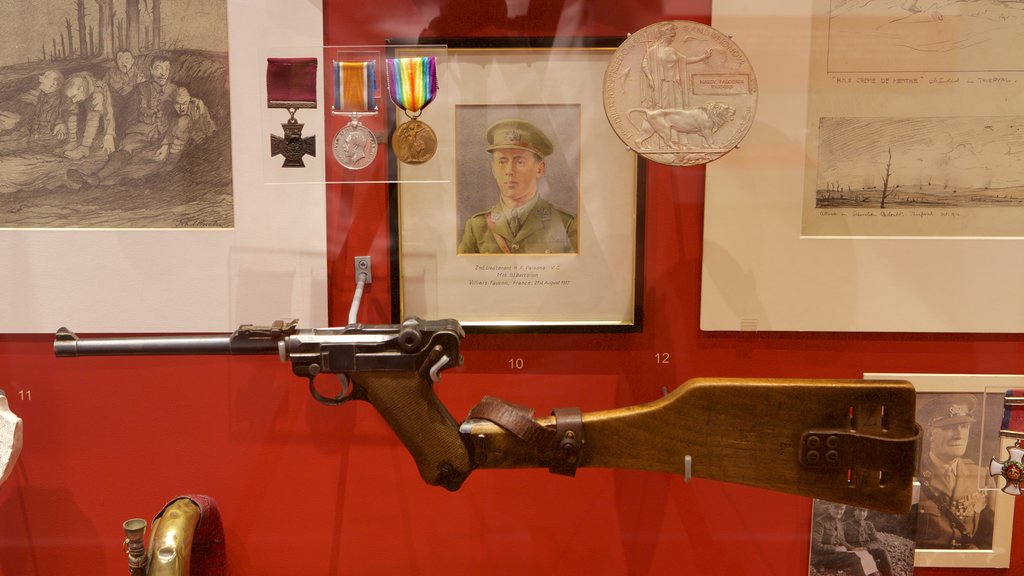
(680, 93)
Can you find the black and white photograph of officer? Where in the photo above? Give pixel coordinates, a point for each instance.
(957, 494)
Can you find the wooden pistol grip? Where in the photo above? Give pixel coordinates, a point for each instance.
(423, 424)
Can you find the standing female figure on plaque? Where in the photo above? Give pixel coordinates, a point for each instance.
(664, 68)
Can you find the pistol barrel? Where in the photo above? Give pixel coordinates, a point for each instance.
(68, 344)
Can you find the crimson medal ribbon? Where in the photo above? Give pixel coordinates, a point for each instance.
(412, 82)
(291, 82)
(1011, 469)
(1013, 414)
(355, 86)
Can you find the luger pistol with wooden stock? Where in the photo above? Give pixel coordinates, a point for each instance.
(846, 441)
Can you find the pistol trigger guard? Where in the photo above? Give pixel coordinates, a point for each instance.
(344, 396)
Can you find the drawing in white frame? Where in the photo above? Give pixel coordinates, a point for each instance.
(760, 273)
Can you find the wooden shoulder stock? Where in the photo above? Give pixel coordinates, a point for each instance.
(841, 440)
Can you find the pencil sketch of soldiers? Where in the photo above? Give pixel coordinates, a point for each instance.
(47, 129)
(192, 123)
(664, 69)
(124, 75)
(42, 126)
(151, 106)
(121, 79)
(86, 92)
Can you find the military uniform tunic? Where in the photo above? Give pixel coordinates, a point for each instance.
(956, 516)
(545, 230)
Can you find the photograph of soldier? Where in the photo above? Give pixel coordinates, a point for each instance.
(515, 203)
(957, 496)
(120, 122)
(851, 541)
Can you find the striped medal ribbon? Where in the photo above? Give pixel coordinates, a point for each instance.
(412, 83)
(355, 87)
(412, 86)
(1011, 469)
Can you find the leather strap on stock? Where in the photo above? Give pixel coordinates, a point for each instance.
(564, 442)
(569, 435)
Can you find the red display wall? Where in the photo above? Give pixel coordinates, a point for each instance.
(309, 489)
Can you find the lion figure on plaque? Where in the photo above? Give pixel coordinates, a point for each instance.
(669, 123)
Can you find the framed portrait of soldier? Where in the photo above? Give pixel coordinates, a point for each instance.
(539, 226)
(517, 179)
(963, 518)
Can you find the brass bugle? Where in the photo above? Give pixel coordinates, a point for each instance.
(135, 546)
(170, 544)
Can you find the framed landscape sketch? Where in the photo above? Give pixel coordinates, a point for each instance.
(883, 157)
(540, 226)
(115, 114)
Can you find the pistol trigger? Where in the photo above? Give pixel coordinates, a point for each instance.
(343, 396)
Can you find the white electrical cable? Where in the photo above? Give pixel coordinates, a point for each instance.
(353, 312)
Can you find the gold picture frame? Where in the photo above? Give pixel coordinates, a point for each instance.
(596, 283)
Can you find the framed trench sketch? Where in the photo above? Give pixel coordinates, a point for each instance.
(540, 227)
(103, 101)
(854, 113)
(155, 251)
(919, 176)
(963, 519)
(936, 155)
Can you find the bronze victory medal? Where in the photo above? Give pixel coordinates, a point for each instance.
(414, 142)
(680, 93)
(354, 146)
